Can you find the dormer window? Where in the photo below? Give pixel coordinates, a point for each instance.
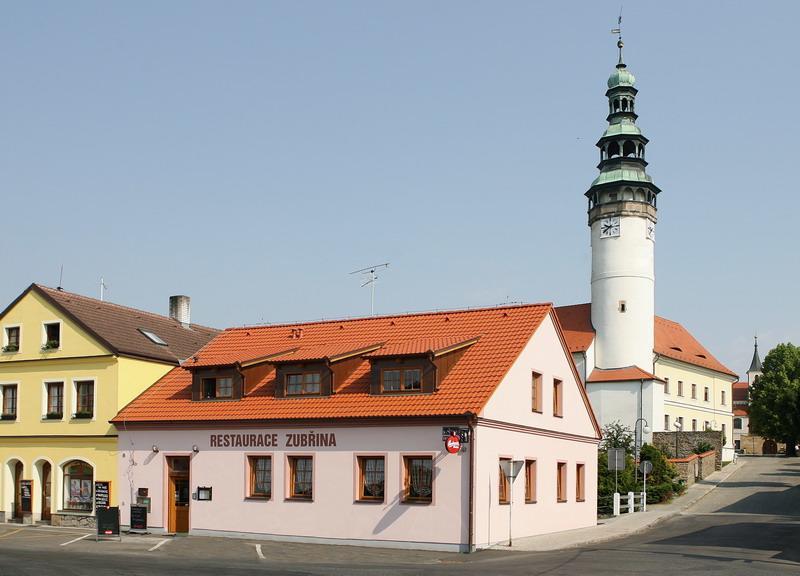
(221, 383)
(303, 384)
(401, 380)
(217, 388)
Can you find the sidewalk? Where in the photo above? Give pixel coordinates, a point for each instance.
(625, 524)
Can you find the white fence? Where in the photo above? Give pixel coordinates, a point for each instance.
(630, 503)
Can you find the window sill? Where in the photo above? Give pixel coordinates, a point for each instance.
(561, 501)
(414, 502)
(530, 501)
(46, 418)
(298, 499)
(74, 512)
(8, 418)
(504, 503)
(259, 498)
(369, 501)
(535, 411)
(558, 415)
(580, 500)
(82, 417)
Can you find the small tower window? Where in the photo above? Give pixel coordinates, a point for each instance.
(641, 151)
(629, 149)
(616, 105)
(623, 306)
(624, 104)
(613, 149)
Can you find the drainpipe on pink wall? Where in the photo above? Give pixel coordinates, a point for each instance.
(471, 420)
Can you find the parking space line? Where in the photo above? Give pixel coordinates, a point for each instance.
(75, 540)
(12, 532)
(259, 552)
(159, 545)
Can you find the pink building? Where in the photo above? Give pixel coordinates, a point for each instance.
(338, 432)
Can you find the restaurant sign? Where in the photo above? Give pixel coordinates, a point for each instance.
(286, 440)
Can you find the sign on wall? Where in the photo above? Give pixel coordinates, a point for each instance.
(462, 433)
(26, 495)
(102, 494)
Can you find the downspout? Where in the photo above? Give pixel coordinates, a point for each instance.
(471, 422)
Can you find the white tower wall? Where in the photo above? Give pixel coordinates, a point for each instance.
(623, 271)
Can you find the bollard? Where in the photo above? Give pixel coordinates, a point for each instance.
(643, 507)
(631, 503)
(616, 503)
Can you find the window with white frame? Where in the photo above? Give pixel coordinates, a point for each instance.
(8, 401)
(11, 338)
(51, 336)
(54, 400)
(83, 396)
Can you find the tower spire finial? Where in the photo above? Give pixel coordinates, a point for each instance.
(620, 43)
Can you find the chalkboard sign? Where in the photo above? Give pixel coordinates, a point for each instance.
(102, 494)
(138, 518)
(107, 523)
(25, 495)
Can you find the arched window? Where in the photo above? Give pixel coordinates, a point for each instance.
(624, 104)
(641, 151)
(78, 486)
(613, 149)
(616, 105)
(629, 148)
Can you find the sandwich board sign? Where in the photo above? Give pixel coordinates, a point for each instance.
(107, 523)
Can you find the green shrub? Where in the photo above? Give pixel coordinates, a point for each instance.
(702, 447)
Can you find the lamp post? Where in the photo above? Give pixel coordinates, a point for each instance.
(678, 428)
(640, 427)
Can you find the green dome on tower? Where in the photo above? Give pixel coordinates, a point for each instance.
(621, 77)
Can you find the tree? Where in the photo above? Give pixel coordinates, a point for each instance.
(775, 397)
(617, 435)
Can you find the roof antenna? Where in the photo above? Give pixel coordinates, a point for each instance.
(103, 288)
(370, 270)
(60, 278)
(618, 32)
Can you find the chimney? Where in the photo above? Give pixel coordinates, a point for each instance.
(180, 309)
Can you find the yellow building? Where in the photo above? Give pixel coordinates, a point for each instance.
(68, 364)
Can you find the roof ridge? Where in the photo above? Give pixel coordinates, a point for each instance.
(120, 306)
(390, 316)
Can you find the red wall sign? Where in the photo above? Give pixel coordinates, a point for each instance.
(452, 444)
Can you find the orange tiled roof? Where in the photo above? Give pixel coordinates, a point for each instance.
(740, 412)
(420, 346)
(503, 332)
(620, 375)
(672, 340)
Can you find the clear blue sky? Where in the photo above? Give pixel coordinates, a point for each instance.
(251, 154)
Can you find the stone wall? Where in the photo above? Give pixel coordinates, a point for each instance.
(695, 467)
(73, 520)
(687, 441)
(755, 444)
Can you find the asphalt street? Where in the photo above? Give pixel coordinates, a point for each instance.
(750, 524)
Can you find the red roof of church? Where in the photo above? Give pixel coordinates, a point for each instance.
(671, 339)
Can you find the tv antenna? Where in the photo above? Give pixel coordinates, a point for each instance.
(103, 288)
(371, 279)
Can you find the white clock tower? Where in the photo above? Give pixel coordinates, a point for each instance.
(622, 217)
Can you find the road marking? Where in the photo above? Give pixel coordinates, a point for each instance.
(259, 552)
(75, 540)
(12, 532)
(159, 545)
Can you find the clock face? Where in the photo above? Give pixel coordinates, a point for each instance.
(651, 231)
(609, 227)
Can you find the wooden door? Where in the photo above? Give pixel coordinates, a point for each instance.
(18, 490)
(46, 488)
(179, 494)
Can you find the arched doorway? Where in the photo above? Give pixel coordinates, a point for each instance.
(47, 487)
(18, 469)
(769, 447)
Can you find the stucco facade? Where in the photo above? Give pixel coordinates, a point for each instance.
(465, 511)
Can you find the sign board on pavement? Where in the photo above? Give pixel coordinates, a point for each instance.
(107, 523)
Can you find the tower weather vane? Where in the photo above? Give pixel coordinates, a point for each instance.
(618, 32)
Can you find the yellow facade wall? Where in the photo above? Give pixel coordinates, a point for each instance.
(135, 376)
(698, 409)
(32, 439)
(101, 453)
(30, 314)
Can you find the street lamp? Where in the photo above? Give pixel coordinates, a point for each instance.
(678, 428)
(640, 428)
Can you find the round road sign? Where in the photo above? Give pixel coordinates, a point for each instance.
(645, 466)
(453, 444)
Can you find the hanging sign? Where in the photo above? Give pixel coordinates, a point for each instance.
(453, 444)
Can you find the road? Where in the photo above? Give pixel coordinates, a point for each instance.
(750, 525)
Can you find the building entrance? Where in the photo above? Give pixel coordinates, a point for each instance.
(18, 491)
(179, 496)
(46, 491)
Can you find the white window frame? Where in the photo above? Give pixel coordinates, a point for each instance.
(63, 400)
(2, 397)
(60, 334)
(74, 399)
(5, 336)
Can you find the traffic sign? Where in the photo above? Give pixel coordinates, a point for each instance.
(645, 467)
